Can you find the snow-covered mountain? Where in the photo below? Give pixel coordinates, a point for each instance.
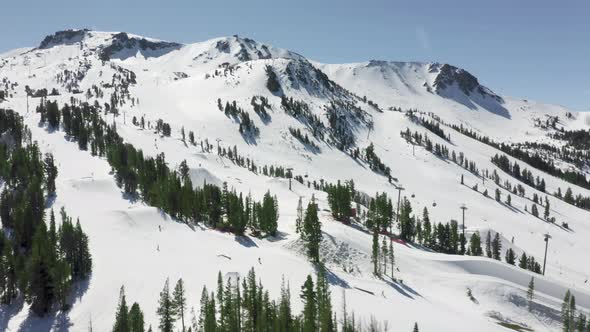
(346, 106)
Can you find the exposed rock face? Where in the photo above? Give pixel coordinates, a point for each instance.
(122, 41)
(66, 37)
(245, 49)
(449, 74)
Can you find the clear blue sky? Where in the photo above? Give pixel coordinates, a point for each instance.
(538, 50)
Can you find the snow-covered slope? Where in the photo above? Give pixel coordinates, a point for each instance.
(182, 84)
(453, 94)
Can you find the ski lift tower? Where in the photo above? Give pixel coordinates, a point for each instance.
(547, 237)
(463, 240)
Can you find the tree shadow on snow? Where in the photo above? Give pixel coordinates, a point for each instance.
(245, 241)
(511, 208)
(132, 198)
(249, 138)
(56, 321)
(9, 311)
(50, 200)
(49, 129)
(78, 290)
(402, 288)
(333, 278)
(278, 237)
(538, 309)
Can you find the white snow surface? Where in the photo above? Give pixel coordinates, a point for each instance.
(124, 234)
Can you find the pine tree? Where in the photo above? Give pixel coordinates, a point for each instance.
(136, 323)
(51, 173)
(581, 322)
(489, 245)
(62, 281)
(324, 302)
(547, 207)
(122, 316)
(220, 293)
(207, 317)
(299, 219)
(475, 244)
(82, 254)
(384, 254)
(416, 327)
(312, 232)
(285, 319)
(510, 256)
(179, 301)
(184, 170)
(308, 297)
(391, 258)
(228, 309)
(166, 309)
(496, 247)
(566, 312)
(191, 137)
(375, 253)
(40, 290)
(530, 294)
(407, 223)
(523, 261)
(572, 312)
(427, 227)
(535, 210)
(9, 272)
(269, 214)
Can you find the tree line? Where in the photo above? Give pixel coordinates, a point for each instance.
(168, 189)
(440, 237)
(244, 305)
(232, 110)
(534, 159)
(37, 263)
